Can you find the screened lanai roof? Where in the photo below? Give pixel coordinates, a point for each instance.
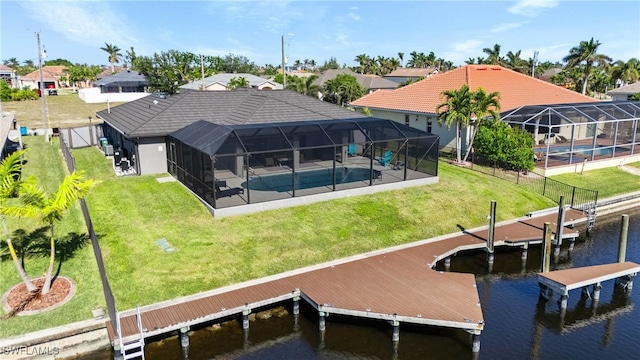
(215, 139)
(572, 114)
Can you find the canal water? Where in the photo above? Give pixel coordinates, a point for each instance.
(518, 325)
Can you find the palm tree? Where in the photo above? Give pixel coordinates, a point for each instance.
(456, 108)
(114, 55)
(483, 105)
(14, 65)
(626, 72)
(48, 209)
(10, 184)
(585, 56)
(516, 63)
(401, 57)
(238, 82)
(493, 55)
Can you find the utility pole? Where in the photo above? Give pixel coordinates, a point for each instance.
(44, 105)
(284, 75)
(202, 69)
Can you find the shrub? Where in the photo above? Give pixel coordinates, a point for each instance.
(504, 146)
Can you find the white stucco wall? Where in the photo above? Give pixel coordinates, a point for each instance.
(421, 121)
(94, 96)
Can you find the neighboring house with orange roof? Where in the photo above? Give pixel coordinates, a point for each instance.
(624, 92)
(415, 104)
(401, 75)
(51, 76)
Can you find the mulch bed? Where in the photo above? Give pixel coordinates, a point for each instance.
(60, 288)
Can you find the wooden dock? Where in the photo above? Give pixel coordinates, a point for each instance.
(394, 285)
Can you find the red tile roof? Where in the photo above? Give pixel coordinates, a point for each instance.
(515, 90)
(50, 73)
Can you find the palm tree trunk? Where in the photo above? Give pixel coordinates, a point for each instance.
(47, 280)
(473, 136)
(458, 144)
(584, 85)
(16, 262)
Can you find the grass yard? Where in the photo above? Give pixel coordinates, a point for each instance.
(609, 182)
(64, 110)
(635, 164)
(44, 161)
(131, 213)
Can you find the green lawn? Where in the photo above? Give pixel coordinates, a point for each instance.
(64, 110)
(131, 213)
(44, 161)
(608, 182)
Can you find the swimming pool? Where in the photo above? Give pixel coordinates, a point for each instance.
(581, 149)
(309, 179)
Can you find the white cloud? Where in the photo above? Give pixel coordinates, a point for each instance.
(353, 16)
(505, 27)
(462, 51)
(532, 8)
(87, 23)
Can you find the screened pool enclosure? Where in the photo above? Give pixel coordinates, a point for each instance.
(233, 165)
(577, 133)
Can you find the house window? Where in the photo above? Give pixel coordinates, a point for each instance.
(406, 119)
(429, 126)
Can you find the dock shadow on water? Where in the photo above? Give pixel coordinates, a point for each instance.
(519, 325)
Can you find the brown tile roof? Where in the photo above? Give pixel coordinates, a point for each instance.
(50, 73)
(515, 90)
(629, 89)
(412, 72)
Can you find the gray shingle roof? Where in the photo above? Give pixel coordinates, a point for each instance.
(123, 77)
(157, 116)
(367, 81)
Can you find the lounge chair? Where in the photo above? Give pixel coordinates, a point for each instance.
(351, 150)
(385, 159)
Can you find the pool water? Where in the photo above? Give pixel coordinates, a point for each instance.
(584, 149)
(309, 179)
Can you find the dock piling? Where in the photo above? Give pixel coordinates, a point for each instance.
(184, 341)
(117, 355)
(491, 233)
(245, 319)
(559, 227)
(322, 321)
(546, 247)
(296, 312)
(475, 343)
(596, 291)
(395, 337)
(622, 242)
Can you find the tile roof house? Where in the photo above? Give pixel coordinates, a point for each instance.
(140, 127)
(6, 74)
(220, 82)
(369, 82)
(401, 75)
(415, 104)
(624, 92)
(51, 76)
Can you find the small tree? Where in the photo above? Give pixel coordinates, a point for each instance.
(48, 209)
(10, 184)
(504, 146)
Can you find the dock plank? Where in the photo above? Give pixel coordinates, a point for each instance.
(394, 282)
(577, 277)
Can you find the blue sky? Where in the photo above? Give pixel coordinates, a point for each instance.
(454, 30)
